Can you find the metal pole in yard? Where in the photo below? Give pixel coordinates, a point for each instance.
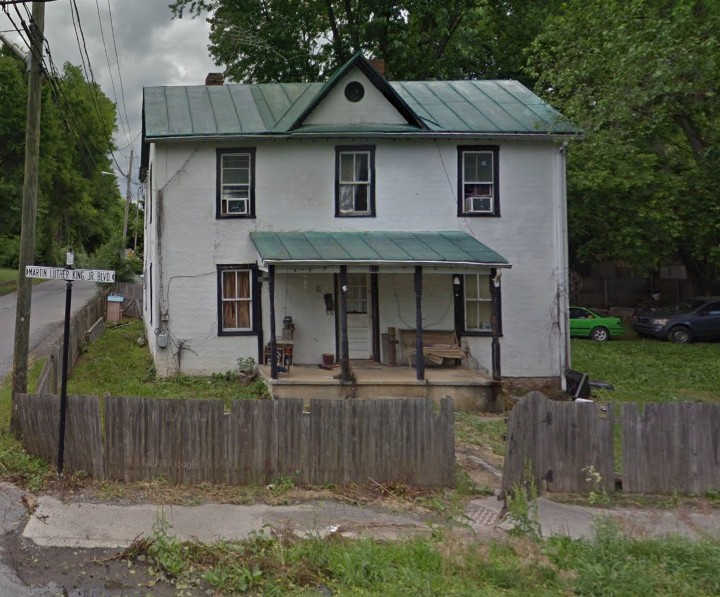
(63, 379)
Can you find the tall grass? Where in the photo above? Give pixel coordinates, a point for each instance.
(607, 564)
(16, 465)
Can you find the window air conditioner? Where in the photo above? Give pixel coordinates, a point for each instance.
(479, 203)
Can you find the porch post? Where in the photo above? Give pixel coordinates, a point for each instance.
(419, 357)
(495, 323)
(344, 348)
(273, 340)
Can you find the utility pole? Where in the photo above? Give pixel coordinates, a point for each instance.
(127, 200)
(29, 208)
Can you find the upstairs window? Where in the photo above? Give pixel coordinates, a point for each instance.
(478, 193)
(355, 181)
(235, 183)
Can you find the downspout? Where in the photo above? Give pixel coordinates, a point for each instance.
(561, 260)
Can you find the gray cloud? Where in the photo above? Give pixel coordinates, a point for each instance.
(152, 49)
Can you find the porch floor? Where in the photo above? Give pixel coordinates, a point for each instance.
(471, 390)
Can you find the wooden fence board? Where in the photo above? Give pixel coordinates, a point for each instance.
(289, 445)
(202, 430)
(83, 436)
(38, 416)
(671, 447)
(559, 442)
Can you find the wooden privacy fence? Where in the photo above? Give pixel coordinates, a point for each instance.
(132, 292)
(85, 327)
(570, 446)
(191, 441)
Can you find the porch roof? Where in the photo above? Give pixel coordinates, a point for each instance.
(452, 248)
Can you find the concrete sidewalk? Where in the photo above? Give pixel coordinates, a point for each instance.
(90, 525)
(579, 521)
(84, 525)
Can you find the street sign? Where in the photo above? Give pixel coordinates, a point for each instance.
(71, 275)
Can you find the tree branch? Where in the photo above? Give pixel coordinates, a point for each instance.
(693, 135)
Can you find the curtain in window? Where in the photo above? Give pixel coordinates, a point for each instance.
(236, 300)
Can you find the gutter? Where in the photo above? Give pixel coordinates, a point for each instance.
(370, 262)
(365, 134)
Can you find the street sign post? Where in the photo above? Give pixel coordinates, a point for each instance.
(70, 275)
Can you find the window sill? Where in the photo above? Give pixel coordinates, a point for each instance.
(235, 216)
(238, 333)
(471, 214)
(474, 334)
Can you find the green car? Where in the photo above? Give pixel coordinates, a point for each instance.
(585, 323)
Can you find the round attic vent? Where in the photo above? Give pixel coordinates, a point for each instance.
(354, 91)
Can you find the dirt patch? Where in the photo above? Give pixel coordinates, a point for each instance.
(519, 386)
(483, 466)
(88, 572)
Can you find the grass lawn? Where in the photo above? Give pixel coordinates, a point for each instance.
(644, 370)
(117, 365)
(8, 280)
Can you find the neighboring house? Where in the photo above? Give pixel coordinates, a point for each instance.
(355, 207)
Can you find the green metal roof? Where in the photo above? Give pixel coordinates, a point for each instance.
(468, 107)
(451, 248)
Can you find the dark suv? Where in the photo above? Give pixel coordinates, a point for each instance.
(692, 319)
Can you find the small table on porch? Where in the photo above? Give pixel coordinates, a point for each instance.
(284, 350)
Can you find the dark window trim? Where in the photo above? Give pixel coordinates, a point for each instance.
(495, 149)
(254, 303)
(459, 294)
(218, 182)
(371, 191)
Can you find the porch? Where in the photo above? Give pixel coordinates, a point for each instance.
(470, 389)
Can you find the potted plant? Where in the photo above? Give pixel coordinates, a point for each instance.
(247, 369)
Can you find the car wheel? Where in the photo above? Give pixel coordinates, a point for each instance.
(680, 335)
(600, 334)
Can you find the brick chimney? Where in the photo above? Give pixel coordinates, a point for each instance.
(215, 79)
(379, 65)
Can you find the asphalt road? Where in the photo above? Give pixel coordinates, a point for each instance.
(46, 316)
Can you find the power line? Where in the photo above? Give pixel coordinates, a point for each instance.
(117, 60)
(112, 79)
(92, 75)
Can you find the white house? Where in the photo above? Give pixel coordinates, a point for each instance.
(358, 208)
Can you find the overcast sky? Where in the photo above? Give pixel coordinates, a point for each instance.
(152, 49)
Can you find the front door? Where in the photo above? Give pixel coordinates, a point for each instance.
(358, 318)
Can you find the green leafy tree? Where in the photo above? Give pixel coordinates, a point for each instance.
(642, 78)
(304, 40)
(77, 206)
